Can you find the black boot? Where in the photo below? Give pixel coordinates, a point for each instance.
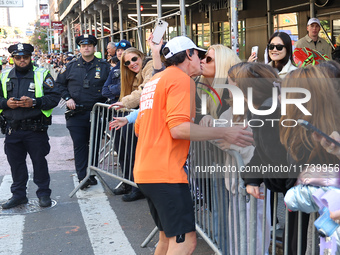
(122, 189)
(93, 180)
(45, 201)
(13, 202)
(134, 195)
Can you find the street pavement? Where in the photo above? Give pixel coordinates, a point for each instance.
(91, 222)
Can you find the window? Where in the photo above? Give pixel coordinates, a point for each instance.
(287, 23)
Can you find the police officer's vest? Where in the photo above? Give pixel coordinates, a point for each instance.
(39, 77)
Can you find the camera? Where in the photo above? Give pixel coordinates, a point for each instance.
(324, 224)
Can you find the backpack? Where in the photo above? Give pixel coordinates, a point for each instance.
(306, 56)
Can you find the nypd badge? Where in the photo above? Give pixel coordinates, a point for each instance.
(97, 76)
(49, 82)
(63, 69)
(20, 47)
(31, 87)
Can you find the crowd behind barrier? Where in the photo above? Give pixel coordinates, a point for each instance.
(225, 219)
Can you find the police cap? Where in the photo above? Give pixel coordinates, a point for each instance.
(20, 49)
(86, 39)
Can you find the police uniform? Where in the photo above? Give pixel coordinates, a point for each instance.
(111, 88)
(26, 128)
(83, 82)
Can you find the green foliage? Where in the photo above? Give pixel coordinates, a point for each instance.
(39, 39)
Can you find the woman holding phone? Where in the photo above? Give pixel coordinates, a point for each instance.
(136, 70)
(279, 54)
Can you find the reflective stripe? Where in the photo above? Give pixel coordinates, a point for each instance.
(4, 80)
(39, 77)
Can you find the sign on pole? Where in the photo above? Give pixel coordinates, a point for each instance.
(44, 15)
(57, 25)
(11, 3)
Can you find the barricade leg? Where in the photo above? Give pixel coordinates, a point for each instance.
(105, 185)
(80, 184)
(149, 237)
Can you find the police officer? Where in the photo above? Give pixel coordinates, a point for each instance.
(80, 83)
(27, 98)
(111, 88)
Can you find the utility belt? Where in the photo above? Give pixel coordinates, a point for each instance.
(80, 109)
(38, 125)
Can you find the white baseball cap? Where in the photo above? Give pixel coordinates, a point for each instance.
(313, 20)
(178, 44)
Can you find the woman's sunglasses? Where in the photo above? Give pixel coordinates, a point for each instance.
(279, 47)
(127, 63)
(208, 59)
(25, 57)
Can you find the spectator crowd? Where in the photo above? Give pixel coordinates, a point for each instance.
(177, 76)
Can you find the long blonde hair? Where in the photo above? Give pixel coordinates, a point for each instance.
(126, 75)
(224, 59)
(324, 106)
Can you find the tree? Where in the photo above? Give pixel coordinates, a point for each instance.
(39, 38)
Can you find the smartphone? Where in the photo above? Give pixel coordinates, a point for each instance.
(16, 99)
(256, 50)
(159, 31)
(310, 127)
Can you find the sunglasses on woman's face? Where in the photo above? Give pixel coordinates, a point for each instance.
(127, 63)
(279, 47)
(208, 59)
(25, 57)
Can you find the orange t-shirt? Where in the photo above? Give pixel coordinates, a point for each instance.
(164, 104)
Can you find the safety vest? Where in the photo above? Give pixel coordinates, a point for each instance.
(39, 77)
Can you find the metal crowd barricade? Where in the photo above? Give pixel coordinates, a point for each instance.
(214, 205)
(102, 147)
(222, 216)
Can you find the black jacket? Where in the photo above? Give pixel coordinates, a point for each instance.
(269, 152)
(84, 85)
(18, 89)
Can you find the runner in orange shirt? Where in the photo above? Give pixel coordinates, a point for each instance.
(164, 127)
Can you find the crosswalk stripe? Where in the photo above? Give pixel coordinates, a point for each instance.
(11, 226)
(104, 230)
(5, 187)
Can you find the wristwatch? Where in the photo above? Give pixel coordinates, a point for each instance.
(67, 98)
(34, 102)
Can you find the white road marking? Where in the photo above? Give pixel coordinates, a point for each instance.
(104, 230)
(11, 226)
(58, 119)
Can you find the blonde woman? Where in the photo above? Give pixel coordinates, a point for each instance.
(135, 70)
(215, 69)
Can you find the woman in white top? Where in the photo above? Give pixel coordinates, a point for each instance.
(279, 50)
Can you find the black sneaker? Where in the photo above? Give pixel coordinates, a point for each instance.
(133, 196)
(93, 180)
(13, 202)
(85, 184)
(45, 201)
(122, 189)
